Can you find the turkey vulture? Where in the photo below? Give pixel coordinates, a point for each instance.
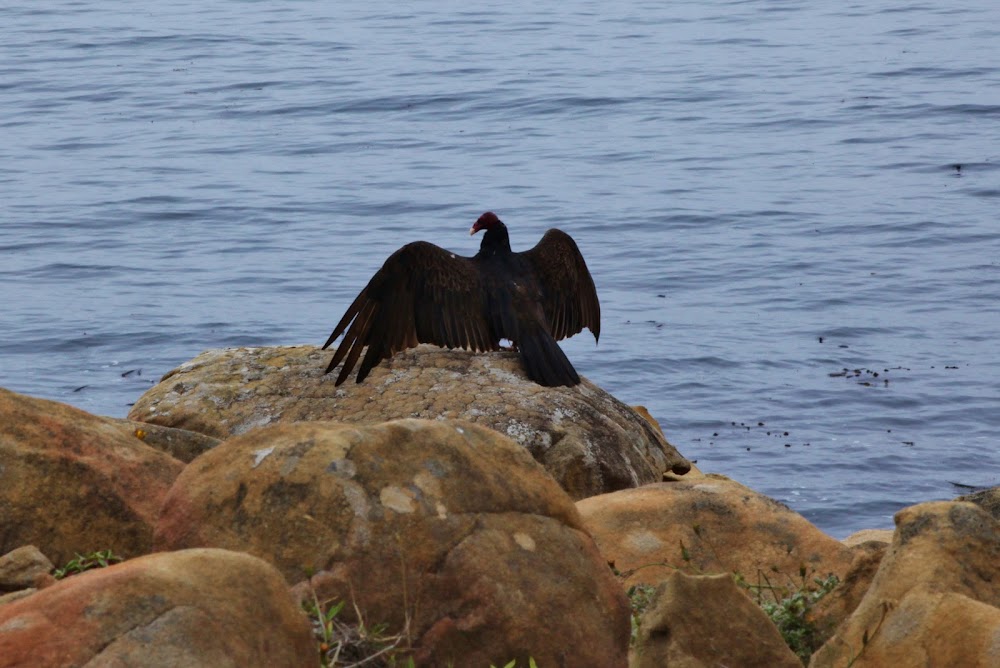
(425, 294)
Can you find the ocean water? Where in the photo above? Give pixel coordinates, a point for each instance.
(789, 207)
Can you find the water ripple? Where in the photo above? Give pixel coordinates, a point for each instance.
(757, 213)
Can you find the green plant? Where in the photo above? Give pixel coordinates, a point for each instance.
(639, 597)
(86, 562)
(790, 606)
(513, 664)
(345, 644)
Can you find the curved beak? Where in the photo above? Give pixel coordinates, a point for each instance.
(473, 230)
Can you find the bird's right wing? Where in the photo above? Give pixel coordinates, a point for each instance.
(568, 293)
(422, 294)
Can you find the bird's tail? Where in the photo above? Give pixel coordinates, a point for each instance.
(544, 360)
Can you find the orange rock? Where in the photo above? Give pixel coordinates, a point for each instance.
(706, 620)
(883, 536)
(589, 441)
(838, 605)
(74, 482)
(709, 524)
(196, 608)
(444, 525)
(935, 599)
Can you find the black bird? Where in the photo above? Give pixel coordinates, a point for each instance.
(425, 294)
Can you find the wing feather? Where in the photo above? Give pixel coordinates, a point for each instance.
(422, 294)
(349, 315)
(569, 297)
(448, 317)
(345, 345)
(460, 338)
(354, 342)
(481, 337)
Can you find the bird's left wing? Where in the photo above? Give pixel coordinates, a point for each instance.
(569, 297)
(422, 294)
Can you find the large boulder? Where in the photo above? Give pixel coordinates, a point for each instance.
(589, 441)
(935, 599)
(74, 482)
(190, 609)
(709, 524)
(444, 529)
(706, 620)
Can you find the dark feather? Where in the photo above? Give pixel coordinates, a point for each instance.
(416, 297)
(569, 297)
(425, 294)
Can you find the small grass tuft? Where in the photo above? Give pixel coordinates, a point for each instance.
(343, 644)
(513, 664)
(790, 606)
(639, 597)
(86, 562)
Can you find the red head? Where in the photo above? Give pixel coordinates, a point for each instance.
(487, 221)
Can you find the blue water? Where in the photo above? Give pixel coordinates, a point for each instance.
(767, 193)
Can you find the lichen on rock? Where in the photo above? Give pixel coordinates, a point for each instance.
(586, 439)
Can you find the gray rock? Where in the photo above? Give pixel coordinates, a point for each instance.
(23, 568)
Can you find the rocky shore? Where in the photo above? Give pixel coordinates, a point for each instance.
(445, 512)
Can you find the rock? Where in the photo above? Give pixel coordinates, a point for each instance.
(706, 620)
(883, 536)
(196, 608)
(830, 611)
(589, 441)
(935, 599)
(12, 596)
(710, 524)
(178, 443)
(987, 499)
(73, 482)
(648, 417)
(444, 527)
(670, 475)
(23, 568)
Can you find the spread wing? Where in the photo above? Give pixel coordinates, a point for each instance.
(422, 294)
(569, 297)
